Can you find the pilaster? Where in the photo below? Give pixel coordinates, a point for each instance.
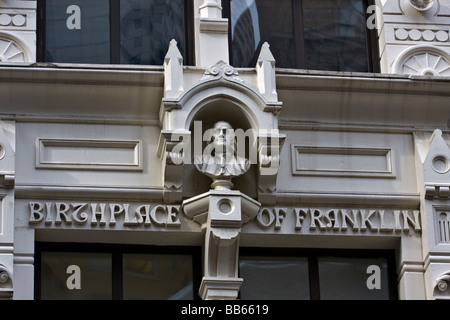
(211, 34)
(433, 158)
(414, 37)
(7, 179)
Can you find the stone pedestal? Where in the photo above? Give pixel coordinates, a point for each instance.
(221, 213)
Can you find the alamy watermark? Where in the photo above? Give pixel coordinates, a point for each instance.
(73, 282)
(375, 18)
(227, 147)
(74, 20)
(374, 280)
(376, 13)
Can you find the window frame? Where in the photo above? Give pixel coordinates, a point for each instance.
(115, 32)
(117, 251)
(372, 46)
(313, 255)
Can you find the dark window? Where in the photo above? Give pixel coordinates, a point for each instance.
(304, 34)
(113, 31)
(116, 272)
(294, 274)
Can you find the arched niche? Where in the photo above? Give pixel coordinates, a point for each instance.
(203, 119)
(219, 95)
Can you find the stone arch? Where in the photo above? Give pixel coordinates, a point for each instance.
(221, 94)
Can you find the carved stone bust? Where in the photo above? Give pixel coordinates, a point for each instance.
(219, 160)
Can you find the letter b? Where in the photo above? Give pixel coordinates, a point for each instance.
(74, 21)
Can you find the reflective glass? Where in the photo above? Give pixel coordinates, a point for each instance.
(58, 282)
(147, 27)
(350, 279)
(335, 35)
(254, 22)
(66, 43)
(157, 277)
(302, 34)
(274, 278)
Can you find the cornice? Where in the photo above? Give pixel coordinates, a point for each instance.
(107, 93)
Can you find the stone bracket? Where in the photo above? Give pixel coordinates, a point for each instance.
(270, 145)
(441, 288)
(222, 213)
(172, 150)
(6, 286)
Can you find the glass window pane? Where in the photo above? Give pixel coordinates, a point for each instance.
(274, 278)
(346, 279)
(254, 22)
(90, 43)
(157, 277)
(335, 35)
(95, 276)
(147, 27)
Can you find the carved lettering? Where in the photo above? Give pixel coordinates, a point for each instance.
(316, 216)
(134, 215)
(62, 211)
(172, 216)
(280, 214)
(345, 217)
(102, 214)
(265, 218)
(340, 220)
(300, 215)
(116, 209)
(79, 216)
(383, 226)
(98, 214)
(48, 218)
(36, 214)
(365, 220)
(331, 219)
(408, 221)
(154, 212)
(137, 218)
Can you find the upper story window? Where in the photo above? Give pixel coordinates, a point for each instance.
(304, 34)
(112, 31)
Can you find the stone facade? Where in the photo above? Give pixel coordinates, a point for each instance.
(98, 153)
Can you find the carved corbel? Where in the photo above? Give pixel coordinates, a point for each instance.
(269, 150)
(441, 288)
(222, 214)
(6, 287)
(174, 151)
(220, 281)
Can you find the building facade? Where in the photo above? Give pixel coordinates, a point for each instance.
(235, 149)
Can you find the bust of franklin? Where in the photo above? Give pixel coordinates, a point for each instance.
(219, 160)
